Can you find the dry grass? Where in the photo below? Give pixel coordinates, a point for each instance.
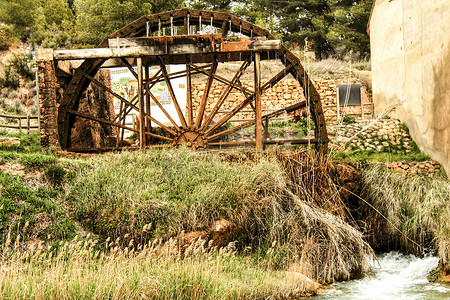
(416, 208)
(87, 269)
(173, 191)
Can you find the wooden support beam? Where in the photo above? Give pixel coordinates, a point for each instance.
(189, 107)
(141, 104)
(258, 127)
(147, 99)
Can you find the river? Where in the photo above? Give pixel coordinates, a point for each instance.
(396, 276)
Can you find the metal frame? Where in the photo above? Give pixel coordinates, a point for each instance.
(201, 54)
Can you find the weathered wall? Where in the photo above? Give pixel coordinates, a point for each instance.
(410, 44)
(95, 101)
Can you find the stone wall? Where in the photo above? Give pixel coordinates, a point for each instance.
(47, 98)
(284, 93)
(95, 101)
(385, 135)
(410, 54)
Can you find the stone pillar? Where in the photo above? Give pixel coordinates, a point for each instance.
(47, 98)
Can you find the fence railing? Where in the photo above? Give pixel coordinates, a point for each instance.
(20, 126)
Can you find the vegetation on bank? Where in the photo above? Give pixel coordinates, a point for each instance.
(140, 206)
(90, 269)
(135, 201)
(412, 211)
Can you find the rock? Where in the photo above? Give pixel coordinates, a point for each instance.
(9, 141)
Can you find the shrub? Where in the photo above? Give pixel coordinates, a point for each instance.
(19, 65)
(348, 120)
(176, 190)
(416, 209)
(55, 175)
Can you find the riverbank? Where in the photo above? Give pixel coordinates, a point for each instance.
(230, 224)
(101, 216)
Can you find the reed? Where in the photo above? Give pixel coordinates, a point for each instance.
(89, 269)
(413, 211)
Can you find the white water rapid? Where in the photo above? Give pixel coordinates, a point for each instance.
(396, 276)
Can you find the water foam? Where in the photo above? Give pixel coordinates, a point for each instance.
(396, 276)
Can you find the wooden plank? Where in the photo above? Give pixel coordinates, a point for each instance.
(141, 104)
(258, 127)
(18, 117)
(265, 45)
(139, 50)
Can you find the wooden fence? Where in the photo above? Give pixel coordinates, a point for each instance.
(20, 119)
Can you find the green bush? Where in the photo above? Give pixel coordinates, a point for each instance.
(348, 120)
(19, 65)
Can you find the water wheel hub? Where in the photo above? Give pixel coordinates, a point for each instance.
(191, 138)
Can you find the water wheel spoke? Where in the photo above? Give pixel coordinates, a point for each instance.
(130, 67)
(163, 110)
(227, 92)
(249, 99)
(222, 79)
(172, 94)
(206, 91)
(89, 117)
(129, 105)
(231, 130)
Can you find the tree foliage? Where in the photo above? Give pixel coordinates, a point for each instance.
(330, 26)
(96, 19)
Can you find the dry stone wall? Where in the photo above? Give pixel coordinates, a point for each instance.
(284, 93)
(385, 135)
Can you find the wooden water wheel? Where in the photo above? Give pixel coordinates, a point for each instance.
(201, 41)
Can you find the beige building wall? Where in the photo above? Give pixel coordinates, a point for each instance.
(410, 45)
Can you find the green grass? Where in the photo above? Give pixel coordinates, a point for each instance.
(171, 191)
(371, 156)
(31, 213)
(29, 143)
(37, 160)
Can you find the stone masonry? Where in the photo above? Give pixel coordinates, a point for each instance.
(284, 93)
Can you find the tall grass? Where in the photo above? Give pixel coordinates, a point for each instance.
(417, 209)
(161, 193)
(87, 269)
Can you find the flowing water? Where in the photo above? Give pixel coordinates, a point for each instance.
(396, 276)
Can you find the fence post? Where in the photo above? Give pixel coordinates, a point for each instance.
(20, 124)
(28, 123)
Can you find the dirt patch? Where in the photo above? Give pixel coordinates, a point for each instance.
(21, 170)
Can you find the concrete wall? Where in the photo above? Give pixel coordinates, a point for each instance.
(410, 41)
